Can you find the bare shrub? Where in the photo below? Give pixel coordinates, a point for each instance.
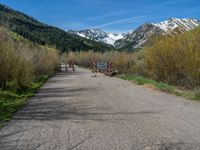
(175, 59)
(123, 62)
(21, 61)
(45, 60)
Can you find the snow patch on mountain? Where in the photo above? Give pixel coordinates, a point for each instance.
(173, 23)
(139, 37)
(82, 35)
(113, 37)
(98, 35)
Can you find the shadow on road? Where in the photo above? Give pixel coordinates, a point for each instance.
(62, 103)
(65, 103)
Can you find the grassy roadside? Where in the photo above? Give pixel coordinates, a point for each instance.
(140, 80)
(12, 100)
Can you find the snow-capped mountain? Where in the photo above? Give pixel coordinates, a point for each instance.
(98, 35)
(138, 37)
(173, 23)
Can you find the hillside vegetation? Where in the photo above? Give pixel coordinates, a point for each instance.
(21, 61)
(24, 67)
(44, 34)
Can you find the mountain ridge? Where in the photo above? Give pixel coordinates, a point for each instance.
(89, 39)
(44, 34)
(98, 35)
(138, 37)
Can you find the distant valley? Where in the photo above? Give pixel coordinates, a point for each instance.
(99, 35)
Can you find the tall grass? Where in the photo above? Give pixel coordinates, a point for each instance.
(122, 61)
(22, 61)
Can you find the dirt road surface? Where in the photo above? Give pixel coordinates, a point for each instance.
(74, 110)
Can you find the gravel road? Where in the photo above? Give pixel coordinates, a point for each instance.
(75, 110)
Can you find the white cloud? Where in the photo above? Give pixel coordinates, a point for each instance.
(111, 14)
(121, 21)
(166, 3)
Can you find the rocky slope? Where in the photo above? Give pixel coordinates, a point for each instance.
(138, 37)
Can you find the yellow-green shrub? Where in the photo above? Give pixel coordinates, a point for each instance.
(175, 59)
(21, 61)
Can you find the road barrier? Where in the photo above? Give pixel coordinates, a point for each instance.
(65, 67)
(71, 65)
(109, 71)
(103, 67)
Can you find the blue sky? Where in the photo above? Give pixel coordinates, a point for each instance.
(109, 15)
